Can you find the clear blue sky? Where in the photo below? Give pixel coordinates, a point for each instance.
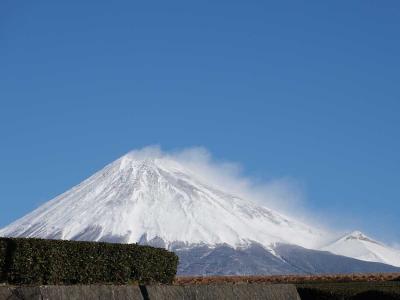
(305, 90)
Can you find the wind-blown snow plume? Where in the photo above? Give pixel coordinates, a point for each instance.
(283, 194)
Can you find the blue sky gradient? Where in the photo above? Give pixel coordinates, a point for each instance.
(309, 91)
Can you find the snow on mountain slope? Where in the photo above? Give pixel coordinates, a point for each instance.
(359, 246)
(138, 199)
(162, 201)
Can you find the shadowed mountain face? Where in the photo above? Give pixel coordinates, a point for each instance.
(256, 260)
(323, 262)
(225, 260)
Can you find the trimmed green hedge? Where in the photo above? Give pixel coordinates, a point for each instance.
(3, 253)
(312, 294)
(349, 290)
(37, 261)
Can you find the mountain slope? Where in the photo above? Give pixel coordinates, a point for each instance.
(162, 202)
(131, 200)
(359, 246)
(323, 262)
(256, 260)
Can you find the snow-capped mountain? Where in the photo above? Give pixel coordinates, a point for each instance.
(358, 245)
(134, 199)
(161, 201)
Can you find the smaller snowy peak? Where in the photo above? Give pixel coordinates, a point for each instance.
(358, 235)
(359, 246)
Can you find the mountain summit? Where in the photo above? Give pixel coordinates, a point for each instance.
(161, 201)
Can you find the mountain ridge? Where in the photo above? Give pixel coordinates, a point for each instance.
(160, 201)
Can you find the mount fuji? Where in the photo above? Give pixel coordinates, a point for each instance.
(160, 201)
